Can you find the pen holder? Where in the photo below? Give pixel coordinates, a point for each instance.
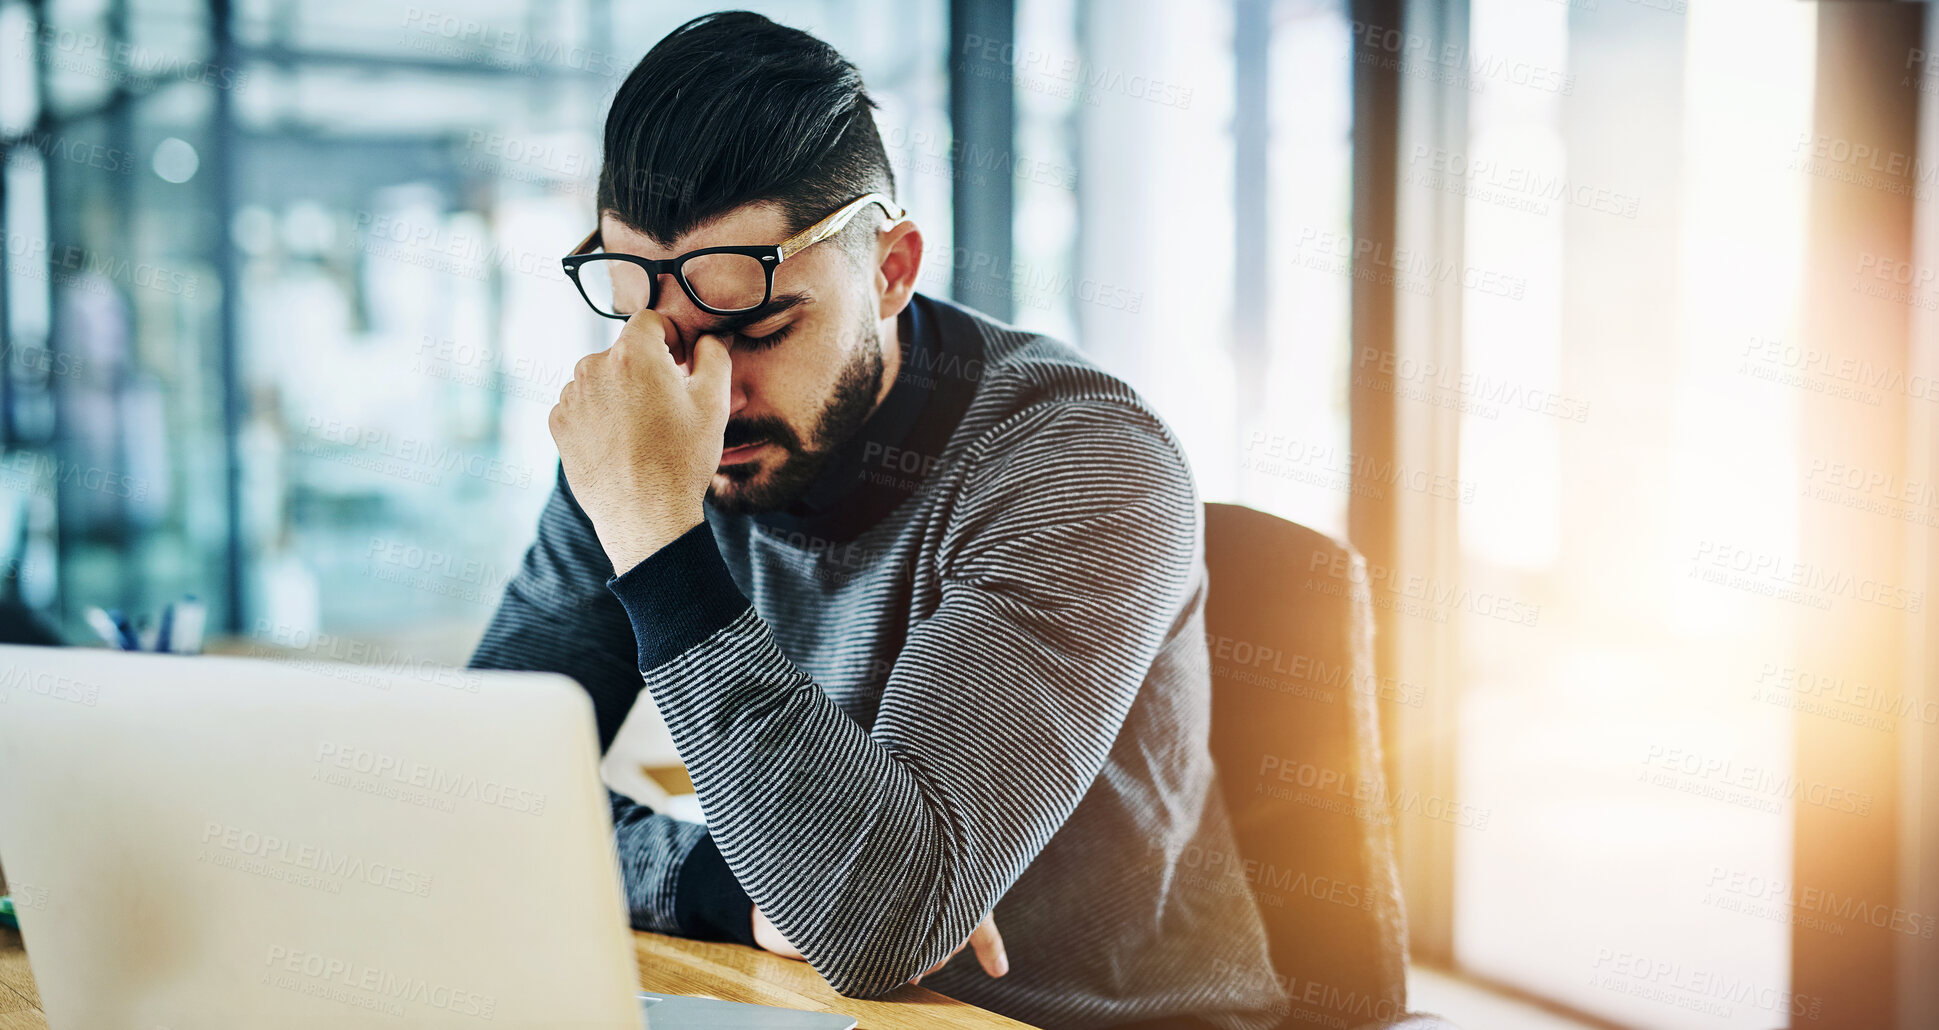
(178, 630)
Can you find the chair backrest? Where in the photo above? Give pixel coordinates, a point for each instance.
(1295, 737)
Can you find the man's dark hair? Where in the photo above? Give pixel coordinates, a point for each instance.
(729, 109)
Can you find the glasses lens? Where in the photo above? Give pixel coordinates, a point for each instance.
(616, 287)
(728, 282)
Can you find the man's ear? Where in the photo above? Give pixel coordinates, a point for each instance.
(899, 252)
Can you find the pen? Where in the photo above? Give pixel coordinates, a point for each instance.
(103, 625)
(191, 617)
(125, 630)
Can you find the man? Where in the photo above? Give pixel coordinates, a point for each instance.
(919, 595)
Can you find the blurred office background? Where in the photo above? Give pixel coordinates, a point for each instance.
(1603, 327)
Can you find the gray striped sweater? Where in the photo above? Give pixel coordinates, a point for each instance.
(967, 671)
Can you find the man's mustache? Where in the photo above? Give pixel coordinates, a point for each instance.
(741, 432)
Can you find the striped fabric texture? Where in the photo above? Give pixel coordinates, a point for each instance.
(967, 674)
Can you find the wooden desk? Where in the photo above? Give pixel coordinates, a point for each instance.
(669, 965)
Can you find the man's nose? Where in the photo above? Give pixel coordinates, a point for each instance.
(677, 308)
(737, 385)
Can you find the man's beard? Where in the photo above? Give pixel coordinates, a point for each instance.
(847, 408)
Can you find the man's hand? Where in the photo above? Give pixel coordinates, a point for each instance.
(989, 950)
(987, 942)
(639, 436)
(769, 937)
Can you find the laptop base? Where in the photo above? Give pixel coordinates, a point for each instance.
(683, 1012)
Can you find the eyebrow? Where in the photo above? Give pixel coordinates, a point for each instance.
(774, 306)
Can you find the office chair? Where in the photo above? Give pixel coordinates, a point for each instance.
(1296, 741)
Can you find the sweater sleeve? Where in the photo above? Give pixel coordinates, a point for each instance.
(1069, 552)
(558, 616)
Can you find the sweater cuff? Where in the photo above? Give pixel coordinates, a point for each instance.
(678, 597)
(708, 902)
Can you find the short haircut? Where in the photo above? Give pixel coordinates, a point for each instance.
(731, 108)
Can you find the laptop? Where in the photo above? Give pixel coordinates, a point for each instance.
(234, 843)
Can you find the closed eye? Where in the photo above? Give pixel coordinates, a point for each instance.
(742, 341)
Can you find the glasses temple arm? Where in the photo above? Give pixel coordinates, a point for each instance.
(836, 221)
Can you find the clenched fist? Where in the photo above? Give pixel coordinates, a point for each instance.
(639, 436)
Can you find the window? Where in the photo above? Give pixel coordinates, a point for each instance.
(403, 182)
(1611, 721)
(1133, 259)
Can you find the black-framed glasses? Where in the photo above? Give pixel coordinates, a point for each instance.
(719, 280)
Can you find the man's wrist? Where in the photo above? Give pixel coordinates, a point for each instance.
(632, 543)
(708, 901)
(678, 596)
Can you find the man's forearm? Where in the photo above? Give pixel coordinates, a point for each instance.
(876, 852)
(674, 877)
(557, 616)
